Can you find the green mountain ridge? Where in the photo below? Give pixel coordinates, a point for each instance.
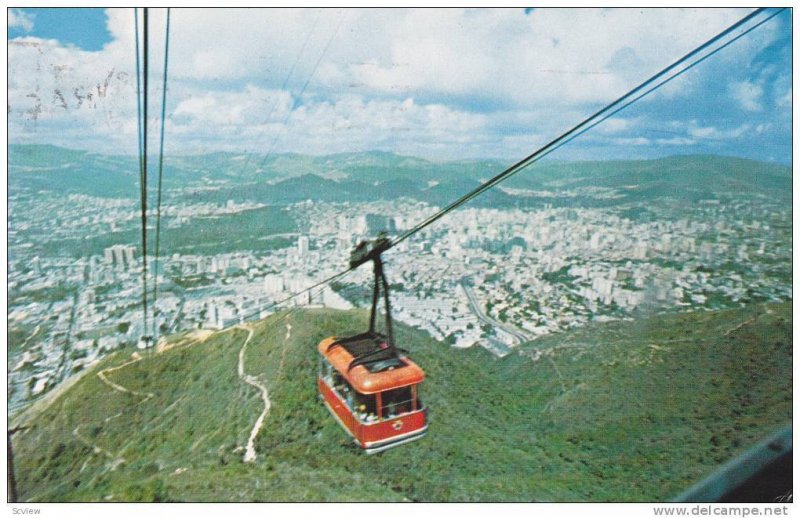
(692, 176)
(620, 411)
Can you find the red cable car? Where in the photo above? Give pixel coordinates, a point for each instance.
(369, 385)
(377, 401)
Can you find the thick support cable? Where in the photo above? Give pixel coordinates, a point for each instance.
(145, 77)
(660, 78)
(277, 303)
(141, 99)
(665, 75)
(160, 176)
(138, 97)
(659, 85)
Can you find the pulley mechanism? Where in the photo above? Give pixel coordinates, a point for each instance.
(362, 253)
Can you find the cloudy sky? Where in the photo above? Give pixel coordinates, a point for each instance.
(443, 83)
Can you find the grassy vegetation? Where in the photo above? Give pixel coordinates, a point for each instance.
(623, 411)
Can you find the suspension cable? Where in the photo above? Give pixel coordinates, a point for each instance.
(141, 102)
(297, 294)
(285, 82)
(658, 85)
(160, 176)
(638, 92)
(302, 90)
(138, 97)
(269, 116)
(594, 119)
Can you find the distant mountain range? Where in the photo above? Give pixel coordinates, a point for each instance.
(287, 178)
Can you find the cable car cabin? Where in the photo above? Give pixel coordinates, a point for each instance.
(372, 391)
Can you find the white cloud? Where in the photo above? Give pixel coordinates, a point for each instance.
(77, 97)
(617, 125)
(763, 128)
(19, 19)
(632, 141)
(714, 133)
(676, 141)
(249, 106)
(437, 82)
(562, 55)
(554, 55)
(747, 94)
(350, 123)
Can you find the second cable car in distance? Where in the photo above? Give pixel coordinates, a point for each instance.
(370, 386)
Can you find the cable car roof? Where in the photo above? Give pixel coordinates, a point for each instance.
(391, 371)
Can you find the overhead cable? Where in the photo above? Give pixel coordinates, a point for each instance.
(160, 176)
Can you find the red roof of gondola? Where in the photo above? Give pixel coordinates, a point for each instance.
(361, 378)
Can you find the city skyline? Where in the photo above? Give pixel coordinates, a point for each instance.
(542, 259)
(612, 323)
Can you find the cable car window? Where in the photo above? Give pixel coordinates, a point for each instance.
(366, 407)
(325, 370)
(342, 386)
(396, 402)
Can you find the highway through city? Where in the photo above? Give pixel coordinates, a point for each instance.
(476, 309)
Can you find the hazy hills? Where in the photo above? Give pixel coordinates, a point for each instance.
(285, 178)
(619, 411)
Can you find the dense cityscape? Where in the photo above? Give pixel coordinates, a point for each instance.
(493, 277)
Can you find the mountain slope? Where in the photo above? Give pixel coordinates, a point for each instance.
(285, 178)
(618, 411)
(703, 175)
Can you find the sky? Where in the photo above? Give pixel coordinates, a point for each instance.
(444, 84)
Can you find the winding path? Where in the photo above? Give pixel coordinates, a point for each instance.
(118, 458)
(767, 311)
(250, 450)
(136, 357)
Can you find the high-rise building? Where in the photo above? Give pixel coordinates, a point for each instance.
(212, 316)
(273, 283)
(119, 256)
(360, 226)
(302, 246)
(129, 256)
